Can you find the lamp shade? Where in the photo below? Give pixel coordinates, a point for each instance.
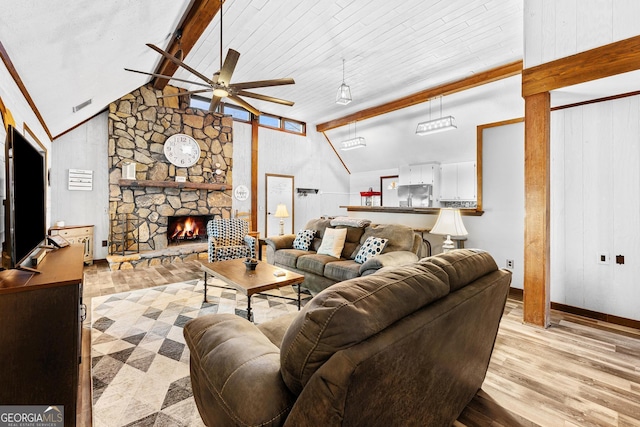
(281, 211)
(449, 223)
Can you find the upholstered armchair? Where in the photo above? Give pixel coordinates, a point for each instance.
(229, 239)
(406, 346)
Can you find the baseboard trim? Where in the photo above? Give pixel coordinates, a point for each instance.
(518, 294)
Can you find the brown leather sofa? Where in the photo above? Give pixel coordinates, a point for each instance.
(405, 346)
(321, 271)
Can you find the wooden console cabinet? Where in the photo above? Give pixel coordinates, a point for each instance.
(77, 234)
(40, 332)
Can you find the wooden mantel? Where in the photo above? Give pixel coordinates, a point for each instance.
(172, 184)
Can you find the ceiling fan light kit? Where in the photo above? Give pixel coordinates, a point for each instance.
(344, 91)
(220, 84)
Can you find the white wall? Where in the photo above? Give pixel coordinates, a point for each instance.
(310, 160)
(85, 147)
(556, 29)
(500, 230)
(595, 206)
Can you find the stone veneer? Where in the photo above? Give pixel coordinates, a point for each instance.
(139, 124)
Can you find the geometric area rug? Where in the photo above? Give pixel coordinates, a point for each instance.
(139, 359)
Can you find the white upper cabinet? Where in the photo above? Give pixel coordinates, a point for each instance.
(458, 181)
(418, 174)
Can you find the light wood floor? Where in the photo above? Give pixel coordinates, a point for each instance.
(578, 372)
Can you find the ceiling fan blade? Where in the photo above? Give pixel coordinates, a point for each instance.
(264, 97)
(230, 61)
(215, 100)
(167, 77)
(263, 83)
(169, 95)
(241, 102)
(180, 63)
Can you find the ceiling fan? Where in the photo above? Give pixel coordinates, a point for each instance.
(220, 84)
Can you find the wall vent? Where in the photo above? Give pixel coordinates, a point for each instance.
(81, 106)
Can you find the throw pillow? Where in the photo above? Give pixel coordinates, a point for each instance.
(303, 239)
(372, 246)
(333, 242)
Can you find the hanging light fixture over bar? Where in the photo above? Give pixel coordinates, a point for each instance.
(436, 125)
(344, 92)
(355, 142)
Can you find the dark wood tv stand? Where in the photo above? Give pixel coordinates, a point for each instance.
(40, 332)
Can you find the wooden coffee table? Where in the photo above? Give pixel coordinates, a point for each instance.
(250, 282)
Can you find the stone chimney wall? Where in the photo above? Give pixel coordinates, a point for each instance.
(139, 124)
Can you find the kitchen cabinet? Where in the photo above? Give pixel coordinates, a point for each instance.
(458, 181)
(418, 174)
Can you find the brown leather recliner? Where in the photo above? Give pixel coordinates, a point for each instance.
(406, 346)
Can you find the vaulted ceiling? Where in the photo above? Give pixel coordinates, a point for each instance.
(66, 52)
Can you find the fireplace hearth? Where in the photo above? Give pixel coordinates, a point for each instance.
(187, 229)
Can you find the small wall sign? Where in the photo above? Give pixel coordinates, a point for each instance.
(241, 193)
(80, 180)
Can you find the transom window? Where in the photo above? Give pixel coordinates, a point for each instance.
(240, 114)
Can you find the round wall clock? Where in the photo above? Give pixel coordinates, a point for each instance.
(182, 150)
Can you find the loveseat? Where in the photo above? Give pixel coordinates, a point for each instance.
(405, 346)
(402, 246)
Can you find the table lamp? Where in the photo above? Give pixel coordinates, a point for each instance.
(449, 223)
(281, 212)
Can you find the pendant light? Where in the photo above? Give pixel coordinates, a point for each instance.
(344, 92)
(356, 142)
(436, 125)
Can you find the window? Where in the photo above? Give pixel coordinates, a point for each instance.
(293, 126)
(199, 102)
(240, 114)
(267, 120)
(237, 113)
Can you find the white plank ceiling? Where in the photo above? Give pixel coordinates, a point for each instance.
(390, 49)
(69, 51)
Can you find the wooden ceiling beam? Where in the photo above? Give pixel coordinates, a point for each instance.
(197, 19)
(604, 61)
(478, 79)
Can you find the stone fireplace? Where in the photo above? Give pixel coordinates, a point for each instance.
(139, 124)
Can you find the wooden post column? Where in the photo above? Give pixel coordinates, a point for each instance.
(537, 213)
(254, 173)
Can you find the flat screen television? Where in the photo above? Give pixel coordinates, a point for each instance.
(25, 202)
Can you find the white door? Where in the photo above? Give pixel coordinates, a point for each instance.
(279, 191)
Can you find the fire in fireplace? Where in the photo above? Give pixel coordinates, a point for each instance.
(187, 229)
